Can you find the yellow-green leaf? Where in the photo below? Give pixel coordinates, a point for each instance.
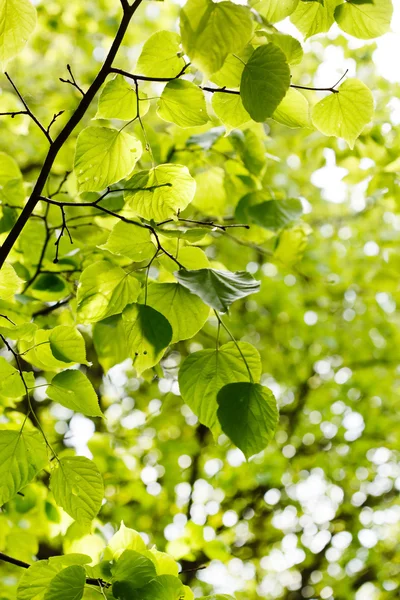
(160, 56)
(17, 22)
(182, 102)
(104, 156)
(345, 113)
(365, 20)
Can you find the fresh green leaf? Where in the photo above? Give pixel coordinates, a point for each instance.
(73, 390)
(131, 572)
(11, 182)
(185, 312)
(118, 100)
(202, 22)
(248, 414)
(10, 283)
(265, 81)
(68, 584)
(218, 289)
(293, 111)
(148, 335)
(104, 156)
(160, 192)
(122, 241)
(22, 455)
(313, 17)
(182, 103)
(11, 383)
(204, 373)
(37, 579)
(210, 197)
(230, 110)
(77, 487)
(345, 113)
(365, 20)
(67, 344)
(165, 587)
(258, 208)
(104, 290)
(161, 55)
(17, 22)
(275, 10)
(110, 341)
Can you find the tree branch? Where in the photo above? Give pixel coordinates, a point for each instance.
(64, 134)
(24, 565)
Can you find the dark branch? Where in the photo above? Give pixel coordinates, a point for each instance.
(64, 134)
(144, 78)
(24, 565)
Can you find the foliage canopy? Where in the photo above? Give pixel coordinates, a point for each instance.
(197, 315)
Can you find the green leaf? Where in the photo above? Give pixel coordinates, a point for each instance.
(39, 352)
(67, 344)
(131, 572)
(11, 384)
(313, 17)
(218, 289)
(164, 587)
(104, 290)
(248, 414)
(124, 539)
(122, 241)
(185, 312)
(160, 192)
(160, 56)
(258, 208)
(275, 10)
(68, 584)
(10, 283)
(265, 81)
(104, 156)
(202, 22)
(183, 103)
(36, 580)
(77, 487)
(148, 335)
(346, 113)
(294, 110)
(210, 197)
(22, 455)
(365, 20)
(24, 331)
(109, 342)
(230, 110)
(73, 390)
(231, 71)
(17, 22)
(49, 287)
(11, 182)
(118, 100)
(292, 244)
(289, 45)
(204, 373)
(191, 257)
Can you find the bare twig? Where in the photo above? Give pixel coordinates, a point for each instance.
(27, 110)
(72, 81)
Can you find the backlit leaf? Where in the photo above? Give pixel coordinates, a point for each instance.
(160, 55)
(22, 455)
(365, 20)
(77, 487)
(346, 113)
(17, 22)
(73, 390)
(248, 414)
(160, 192)
(104, 156)
(182, 103)
(204, 373)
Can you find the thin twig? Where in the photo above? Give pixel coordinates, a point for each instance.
(28, 110)
(54, 119)
(72, 81)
